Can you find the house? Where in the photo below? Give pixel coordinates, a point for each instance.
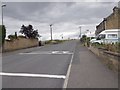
(110, 22)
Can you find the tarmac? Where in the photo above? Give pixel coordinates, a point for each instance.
(87, 71)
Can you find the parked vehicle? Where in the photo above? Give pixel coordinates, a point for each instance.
(107, 36)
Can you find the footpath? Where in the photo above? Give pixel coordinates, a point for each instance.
(88, 71)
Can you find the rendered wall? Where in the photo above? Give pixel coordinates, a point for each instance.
(20, 43)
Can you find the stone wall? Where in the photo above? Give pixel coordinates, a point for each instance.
(108, 58)
(19, 43)
(112, 21)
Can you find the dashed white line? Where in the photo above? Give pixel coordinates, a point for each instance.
(53, 52)
(48, 52)
(33, 75)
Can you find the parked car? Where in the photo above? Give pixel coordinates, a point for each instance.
(107, 36)
(41, 43)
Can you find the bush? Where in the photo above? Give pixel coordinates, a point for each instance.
(85, 40)
(117, 45)
(114, 47)
(12, 37)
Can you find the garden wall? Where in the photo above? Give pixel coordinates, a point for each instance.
(19, 43)
(111, 59)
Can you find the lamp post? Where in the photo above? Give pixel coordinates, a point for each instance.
(3, 5)
(51, 30)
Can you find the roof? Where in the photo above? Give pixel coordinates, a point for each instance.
(110, 30)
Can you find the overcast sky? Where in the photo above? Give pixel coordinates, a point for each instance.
(66, 17)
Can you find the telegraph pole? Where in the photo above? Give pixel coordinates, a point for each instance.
(61, 36)
(51, 31)
(80, 32)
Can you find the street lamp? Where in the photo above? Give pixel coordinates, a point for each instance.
(3, 5)
(51, 30)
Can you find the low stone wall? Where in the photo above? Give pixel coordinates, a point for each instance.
(110, 59)
(20, 43)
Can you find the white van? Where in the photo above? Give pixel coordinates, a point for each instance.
(107, 36)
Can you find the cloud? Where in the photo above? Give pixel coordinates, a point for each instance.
(59, 0)
(57, 12)
(66, 17)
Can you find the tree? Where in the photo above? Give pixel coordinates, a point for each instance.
(2, 34)
(83, 39)
(29, 32)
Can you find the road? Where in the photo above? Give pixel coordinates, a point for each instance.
(68, 65)
(40, 67)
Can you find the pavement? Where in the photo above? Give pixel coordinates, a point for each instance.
(68, 65)
(88, 71)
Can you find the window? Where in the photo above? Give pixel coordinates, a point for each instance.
(112, 35)
(102, 36)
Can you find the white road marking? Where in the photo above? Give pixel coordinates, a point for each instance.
(55, 52)
(68, 73)
(48, 52)
(33, 75)
(66, 52)
(32, 53)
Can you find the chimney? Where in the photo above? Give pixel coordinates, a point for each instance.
(115, 9)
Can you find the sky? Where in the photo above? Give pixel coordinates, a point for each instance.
(66, 17)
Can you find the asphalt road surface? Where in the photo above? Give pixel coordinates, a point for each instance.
(40, 67)
(68, 65)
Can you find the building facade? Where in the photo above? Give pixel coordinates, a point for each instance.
(111, 22)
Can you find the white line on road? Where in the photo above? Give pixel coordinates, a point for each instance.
(68, 73)
(48, 52)
(33, 75)
(54, 52)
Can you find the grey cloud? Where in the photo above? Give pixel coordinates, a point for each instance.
(66, 16)
(57, 12)
(23, 11)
